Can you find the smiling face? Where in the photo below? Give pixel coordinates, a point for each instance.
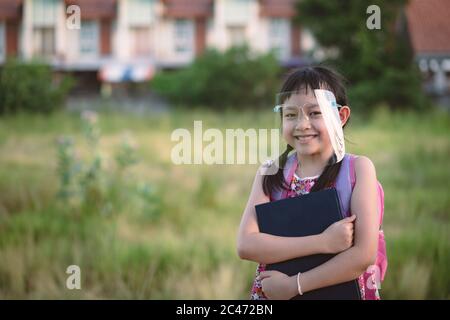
(303, 125)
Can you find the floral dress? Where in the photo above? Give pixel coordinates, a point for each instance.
(300, 186)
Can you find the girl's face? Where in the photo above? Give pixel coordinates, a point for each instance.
(303, 125)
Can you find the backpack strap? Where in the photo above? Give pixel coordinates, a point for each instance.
(352, 170)
(288, 172)
(344, 186)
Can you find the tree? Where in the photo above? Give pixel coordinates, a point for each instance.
(378, 63)
(31, 87)
(234, 78)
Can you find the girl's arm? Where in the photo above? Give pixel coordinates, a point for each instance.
(350, 264)
(265, 248)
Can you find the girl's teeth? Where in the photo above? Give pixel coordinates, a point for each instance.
(305, 139)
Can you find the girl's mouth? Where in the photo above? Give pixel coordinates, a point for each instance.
(305, 138)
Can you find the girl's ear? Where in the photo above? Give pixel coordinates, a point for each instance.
(344, 114)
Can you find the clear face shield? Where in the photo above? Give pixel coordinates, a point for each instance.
(317, 106)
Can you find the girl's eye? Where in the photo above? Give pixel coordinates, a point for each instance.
(315, 114)
(290, 115)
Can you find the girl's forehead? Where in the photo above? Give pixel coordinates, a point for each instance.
(301, 98)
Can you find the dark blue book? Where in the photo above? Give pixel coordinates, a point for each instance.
(302, 216)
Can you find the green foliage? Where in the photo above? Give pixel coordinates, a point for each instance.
(126, 153)
(31, 87)
(234, 78)
(132, 255)
(67, 168)
(378, 63)
(88, 187)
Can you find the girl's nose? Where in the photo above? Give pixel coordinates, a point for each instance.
(303, 123)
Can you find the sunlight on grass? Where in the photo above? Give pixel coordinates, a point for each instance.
(186, 248)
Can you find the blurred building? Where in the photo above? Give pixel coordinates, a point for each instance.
(429, 33)
(120, 40)
(127, 40)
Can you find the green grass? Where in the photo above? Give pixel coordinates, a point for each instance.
(188, 251)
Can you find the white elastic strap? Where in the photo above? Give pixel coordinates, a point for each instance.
(298, 284)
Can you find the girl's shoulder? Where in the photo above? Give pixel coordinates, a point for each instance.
(363, 166)
(361, 160)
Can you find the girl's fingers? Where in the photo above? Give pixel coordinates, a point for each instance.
(349, 219)
(349, 227)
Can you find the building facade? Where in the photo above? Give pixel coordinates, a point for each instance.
(122, 40)
(429, 32)
(135, 37)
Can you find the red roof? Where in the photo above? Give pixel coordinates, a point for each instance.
(95, 9)
(10, 9)
(278, 8)
(429, 25)
(188, 8)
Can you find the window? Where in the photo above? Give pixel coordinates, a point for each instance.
(140, 41)
(236, 35)
(89, 38)
(184, 36)
(237, 12)
(141, 15)
(2, 41)
(44, 12)
(280, 37)
(44, 41)
(141, 12)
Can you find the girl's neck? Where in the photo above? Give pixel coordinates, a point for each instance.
(311, 165)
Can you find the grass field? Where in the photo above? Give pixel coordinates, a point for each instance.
(179, 241)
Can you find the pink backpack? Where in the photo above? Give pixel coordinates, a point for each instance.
(345, 183)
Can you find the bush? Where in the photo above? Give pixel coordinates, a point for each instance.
(30, 87)
(234, 78)
(88, 187)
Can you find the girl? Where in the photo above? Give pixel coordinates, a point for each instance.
(315, 163)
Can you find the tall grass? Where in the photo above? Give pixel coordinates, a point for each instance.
(188, 249)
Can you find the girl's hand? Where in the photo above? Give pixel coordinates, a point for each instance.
(277, 285)
(339, 236)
